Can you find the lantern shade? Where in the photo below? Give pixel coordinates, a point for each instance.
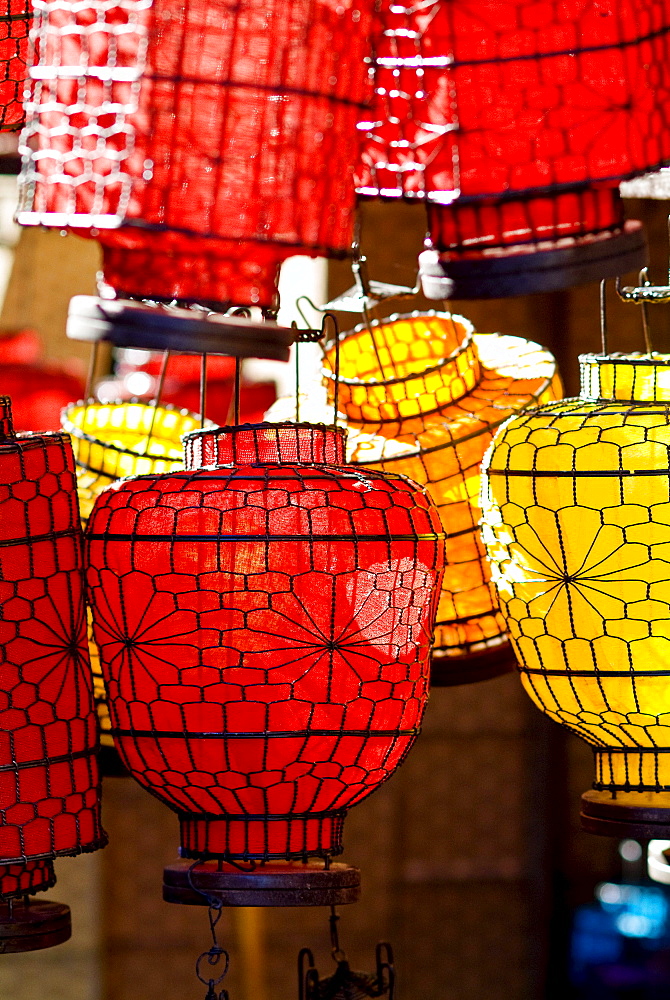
(15, 21)
(207, 142)
(515, 120)
(423, 395)
(574, 511)
(49, 794)
(111, 441)
(264, 622)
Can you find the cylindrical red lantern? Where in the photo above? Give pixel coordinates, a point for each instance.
(202, 144)
(49, 785)
(514, 120)
(15, 20)
(264, 621)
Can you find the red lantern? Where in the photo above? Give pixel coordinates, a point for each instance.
(15, 20)
(514, 120)
(202, 144)
(49, 786)
(264, 621)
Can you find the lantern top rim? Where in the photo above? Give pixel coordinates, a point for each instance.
(265, 443)
(625, 377)
(465, 347)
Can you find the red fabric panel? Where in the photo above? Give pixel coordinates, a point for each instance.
(49, 787)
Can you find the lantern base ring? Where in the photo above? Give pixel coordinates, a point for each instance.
(29, 925)
(275, 883)
(157, 328)
(492, 276)
(482, 665)
(630, 814)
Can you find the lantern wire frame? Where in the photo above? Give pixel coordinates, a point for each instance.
(50, 789)
(573, 519)
(325, 664)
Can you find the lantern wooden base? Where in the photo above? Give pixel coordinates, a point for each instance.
(134, 324)
(276, 883)
(31, 926)
(538, 270)
(630, 814)
(449, 671)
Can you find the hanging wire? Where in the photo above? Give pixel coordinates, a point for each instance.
(203, 388)
(335, 339)
(159, 393)
(216, 954)
(643, 279)
(603, 315)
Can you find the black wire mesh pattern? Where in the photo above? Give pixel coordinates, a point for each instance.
(49, 784)
(264, 628)
(576, 502)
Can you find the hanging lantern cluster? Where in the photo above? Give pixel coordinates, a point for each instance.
(49, 787)
(264, 621)
(514, 122)
(201, 145)
(575, 510)
(422, 395)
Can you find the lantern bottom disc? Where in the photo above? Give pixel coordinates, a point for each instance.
(449, 671)
(275, 883)
(538, 270)
(630, 814)
(135, 324)
(32, 925)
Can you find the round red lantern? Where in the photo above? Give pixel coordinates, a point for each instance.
(15, 20)
(201, 144)
(514, 121)
(264, 621)
(49, 785)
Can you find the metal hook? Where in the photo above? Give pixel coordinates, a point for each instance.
(330, 317)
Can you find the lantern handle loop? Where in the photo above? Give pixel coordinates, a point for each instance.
(308, 978)
(329, 317)
(335, 950)
(385, 969)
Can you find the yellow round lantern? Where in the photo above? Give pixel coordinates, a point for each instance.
(111, 441)
(576, 520)
(422, 395)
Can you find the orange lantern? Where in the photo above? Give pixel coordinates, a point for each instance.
(423, 395)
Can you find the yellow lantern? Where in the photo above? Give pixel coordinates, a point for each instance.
(422, 395)
(576, 520)
(111, 441)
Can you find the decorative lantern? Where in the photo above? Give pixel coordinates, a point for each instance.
(15, 20)
(203, 145)
(423, 395)
(575, 501)
(111, 441)
(49, 787)
(515, 120)
(264, 621)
